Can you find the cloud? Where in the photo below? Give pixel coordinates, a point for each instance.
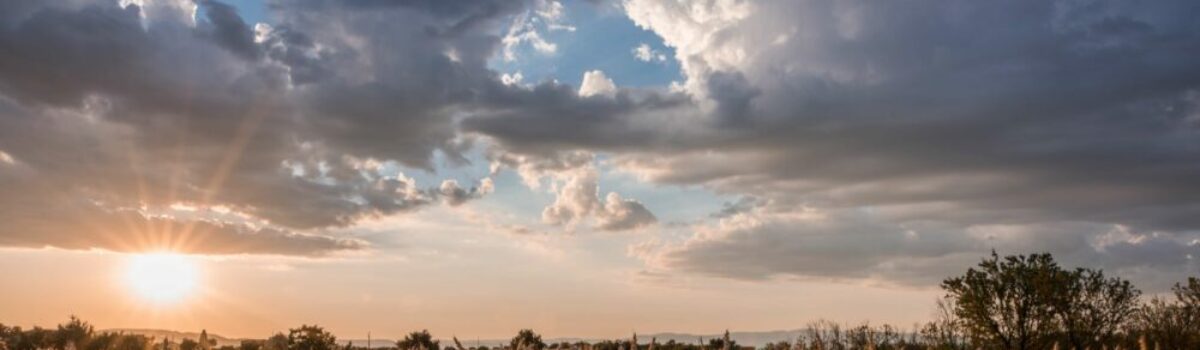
(37, 217)
(1032, 114)
(554, 13)
(527, 29)
(575, 183)
(643, 52)
(1027, 120)
(132, 109)
(512, 79)
(225, 27)
(930, 124)
(742, 205)
(596, 83)
(455, 195)
(623, 214)
(767, 243)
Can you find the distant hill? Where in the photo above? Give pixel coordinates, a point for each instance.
(376, 342)
(744, 338)
(754, 339)
(174, 335)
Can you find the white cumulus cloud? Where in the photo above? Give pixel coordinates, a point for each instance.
(596, 83)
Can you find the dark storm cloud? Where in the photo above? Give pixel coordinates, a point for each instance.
(227, 28)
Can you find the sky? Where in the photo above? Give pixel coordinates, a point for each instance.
(582, 168)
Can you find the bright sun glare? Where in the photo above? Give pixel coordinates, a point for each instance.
(161, 278)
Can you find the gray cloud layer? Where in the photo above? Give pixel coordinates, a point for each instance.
(917, 130)
(108, 110)
(1027, 115)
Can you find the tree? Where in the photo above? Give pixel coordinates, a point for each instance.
(526, 339)
(1189, 294)
(276, 342)
(102, 341)
(205, 342)
(311, 338)
(944, 332)
(722, 344)
(73, 334)
(824, 335)
(36, 338)
(1167, 325)
(1093, 308)
(250, 345)
(1009, 303)
(189, 344)
(1173, 324)
(780, 345)
(418, 341)
(132, 342)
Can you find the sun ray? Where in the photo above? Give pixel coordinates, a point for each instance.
(162, 278)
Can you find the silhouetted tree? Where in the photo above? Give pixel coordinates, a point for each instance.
(276, 342)
(779, 345)
(944, 332)
(206, 343)
(311, 338)
(132, 342)
(418, 341)
(1010, 303)
(1092, 308)
(36, 338)
(250, 345)
(188, 344)
(1189, 294)
(1165, 324)
(722, 344)
(103, 341)
(824, 335)
(73, 334)
(526, 339)
(1172, 324)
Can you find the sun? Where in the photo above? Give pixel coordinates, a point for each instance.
(162, 278)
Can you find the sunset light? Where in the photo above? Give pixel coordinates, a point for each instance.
(599, 174)
(161, 278)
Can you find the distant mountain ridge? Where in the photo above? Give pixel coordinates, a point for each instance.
(173, 335)
(755, 339)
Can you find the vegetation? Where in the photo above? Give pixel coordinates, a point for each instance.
(526, 339)
(418, 341)
(310, 338)
(1015, 302)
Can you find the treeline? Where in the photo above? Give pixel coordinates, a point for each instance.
(1030, 303)
(1015, 302)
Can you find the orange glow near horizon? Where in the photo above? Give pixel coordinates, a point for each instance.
(162, 278)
